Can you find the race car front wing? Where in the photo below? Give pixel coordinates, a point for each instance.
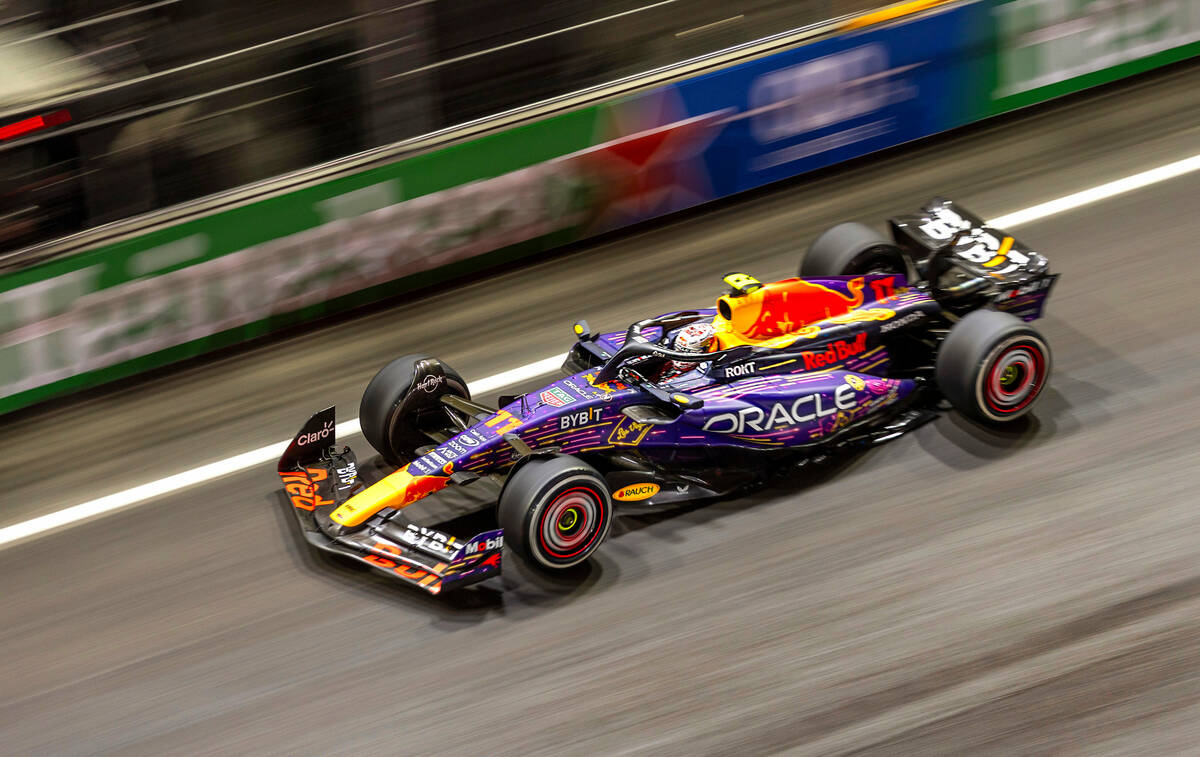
(318, 476)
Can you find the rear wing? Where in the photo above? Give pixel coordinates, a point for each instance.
(1020, 277)
(983, 249)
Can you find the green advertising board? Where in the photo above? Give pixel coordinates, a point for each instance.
(1048, 48)
(225, 278)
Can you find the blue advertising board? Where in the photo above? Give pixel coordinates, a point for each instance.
(832, 100)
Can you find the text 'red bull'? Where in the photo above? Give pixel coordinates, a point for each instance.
(835, 353)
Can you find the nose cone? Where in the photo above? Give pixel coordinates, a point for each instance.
(395, 491)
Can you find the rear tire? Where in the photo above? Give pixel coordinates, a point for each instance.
(993, 366)
(396, 406)
(851, 249)
(555, 511)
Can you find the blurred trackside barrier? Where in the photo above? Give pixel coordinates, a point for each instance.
(185, 288)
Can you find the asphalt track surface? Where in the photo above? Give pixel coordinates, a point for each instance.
(955, 591)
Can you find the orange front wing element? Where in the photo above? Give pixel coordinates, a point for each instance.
(395, 491)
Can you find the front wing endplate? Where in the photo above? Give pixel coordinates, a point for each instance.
(425, 557)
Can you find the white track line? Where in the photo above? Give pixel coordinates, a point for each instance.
(1096, 194)
(261, 456)
(138, 494)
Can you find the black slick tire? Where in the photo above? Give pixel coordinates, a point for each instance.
(993, 366)
(851, 249)
(555, 511)
(402, 399)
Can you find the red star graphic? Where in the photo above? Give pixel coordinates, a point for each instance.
(655, 164)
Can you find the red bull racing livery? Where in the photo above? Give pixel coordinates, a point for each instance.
(870, 340)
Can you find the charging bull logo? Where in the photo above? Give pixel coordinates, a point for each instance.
(785, 306)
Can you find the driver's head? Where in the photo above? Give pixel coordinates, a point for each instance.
(696, 337)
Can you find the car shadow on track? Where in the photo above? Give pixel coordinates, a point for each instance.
(963, 444)
(1068, 405)
(789, 480)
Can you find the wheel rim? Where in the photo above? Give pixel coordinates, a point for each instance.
(1015, 378)
(569, 525)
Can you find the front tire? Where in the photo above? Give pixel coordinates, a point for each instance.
(993, 366)
(851, 249)
(402, 402)
(555, 511)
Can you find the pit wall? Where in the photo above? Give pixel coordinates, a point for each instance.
(185, 289)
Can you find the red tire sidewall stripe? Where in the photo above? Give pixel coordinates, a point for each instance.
(1037, 377)
(600, 522)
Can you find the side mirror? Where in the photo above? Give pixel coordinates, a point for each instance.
(686, 401)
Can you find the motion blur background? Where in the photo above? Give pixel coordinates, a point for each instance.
(164, 102)
(190, 189)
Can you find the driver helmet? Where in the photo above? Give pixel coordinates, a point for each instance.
(696, 337)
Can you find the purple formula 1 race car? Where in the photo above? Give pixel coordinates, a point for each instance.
(872, 339)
